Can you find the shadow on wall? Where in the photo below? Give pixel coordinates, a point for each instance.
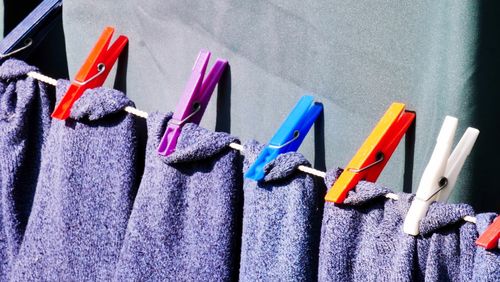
(121, 71)
(319, 142)
(409, 156)
(50, 55)
(223, 119)
(485, 195)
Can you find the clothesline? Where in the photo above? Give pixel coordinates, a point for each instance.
(235, 146)
(143, 114)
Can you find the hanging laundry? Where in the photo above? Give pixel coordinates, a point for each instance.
(363, 239)
(186, 220)
(85, 192)
(486, 262)
(281, 220)
(24, 124)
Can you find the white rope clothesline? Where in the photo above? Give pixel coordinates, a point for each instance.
(139, 113)
(235, 146)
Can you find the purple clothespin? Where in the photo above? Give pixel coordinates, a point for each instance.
(194, 101)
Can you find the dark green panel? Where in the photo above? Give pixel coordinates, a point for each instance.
(357, 57)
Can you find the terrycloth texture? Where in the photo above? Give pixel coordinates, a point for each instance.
(24, 123)
(84, 194)
(363, 239)
(186, 220)
(281, 221)
(486, 262)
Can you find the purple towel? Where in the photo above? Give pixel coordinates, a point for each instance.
(24, 123)
(281, 221)
(186, 220)
(486, 262)
(363, 239)
(84, 195)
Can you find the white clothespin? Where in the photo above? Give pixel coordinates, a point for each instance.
(441, 173)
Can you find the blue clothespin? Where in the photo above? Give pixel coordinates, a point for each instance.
(289, 136)
(26, 36)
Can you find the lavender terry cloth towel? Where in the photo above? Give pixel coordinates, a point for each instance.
(85, 192)
(24, 124)
(281, 220)
(186, 220)
(363, 239)
(486, 262)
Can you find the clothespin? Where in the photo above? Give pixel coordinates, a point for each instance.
(289, 136)
(441, 173)
(375, 152)
(23, 39)
(94, 71)
(194, 101)
(490, 238)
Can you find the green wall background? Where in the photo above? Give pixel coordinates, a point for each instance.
(357, 57)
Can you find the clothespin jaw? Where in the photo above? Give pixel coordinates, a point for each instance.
(23, 39)
(441, 173)
(490, 238)
(94, 71)
(456, 161)
(289, 136)
(375, 152)
(194, 101)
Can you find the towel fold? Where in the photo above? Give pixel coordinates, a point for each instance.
(25, 109)
(85, 192)
(281, 220)
(363, 239)
(186, 220)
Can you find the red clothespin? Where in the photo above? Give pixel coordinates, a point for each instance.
(375, 152)
(490, 239)
(94, 71)
(194, 101)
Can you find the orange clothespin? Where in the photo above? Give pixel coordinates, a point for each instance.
(94, 71)
(490, 238)
(375, 152)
